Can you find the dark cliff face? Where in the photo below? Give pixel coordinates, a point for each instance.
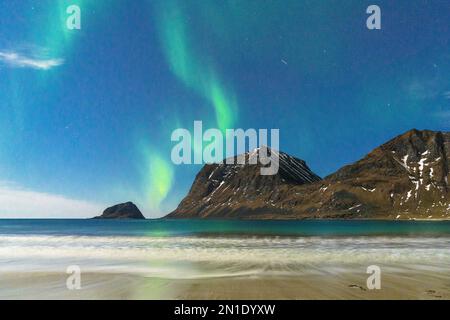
(126, 210)
(405, 178)
(222, 190)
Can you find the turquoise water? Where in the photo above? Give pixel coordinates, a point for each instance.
(172, 228)
(187, 249)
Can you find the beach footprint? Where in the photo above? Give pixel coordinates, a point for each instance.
(355, 286)
(433, 293)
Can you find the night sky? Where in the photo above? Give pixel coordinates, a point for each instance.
(86, 115)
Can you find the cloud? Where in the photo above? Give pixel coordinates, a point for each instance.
(18, 60)
(16, 202)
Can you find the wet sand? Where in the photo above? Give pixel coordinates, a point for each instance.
(402, 285)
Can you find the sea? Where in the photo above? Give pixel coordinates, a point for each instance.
(199, 249)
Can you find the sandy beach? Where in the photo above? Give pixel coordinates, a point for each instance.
(404, 285)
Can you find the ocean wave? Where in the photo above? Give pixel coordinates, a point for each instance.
(187, 257)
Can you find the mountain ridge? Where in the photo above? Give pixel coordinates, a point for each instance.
(404, 178)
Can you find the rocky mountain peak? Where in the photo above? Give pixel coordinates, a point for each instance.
(232, 185)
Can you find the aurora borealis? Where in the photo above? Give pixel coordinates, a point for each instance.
(88, 114)
(196, 74)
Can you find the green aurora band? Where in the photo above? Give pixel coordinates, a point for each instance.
(197, 75)
(157, 172)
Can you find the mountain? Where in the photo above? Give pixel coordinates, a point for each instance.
(126, 210)
(222, 190)
(405, 178)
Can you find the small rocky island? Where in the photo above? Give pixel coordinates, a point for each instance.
(126, 210)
